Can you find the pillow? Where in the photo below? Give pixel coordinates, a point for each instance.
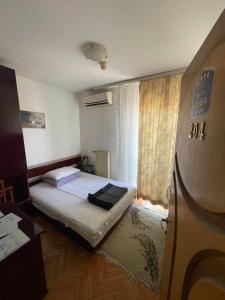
(61, 173)
(61, 181)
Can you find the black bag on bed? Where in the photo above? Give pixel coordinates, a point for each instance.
(107, 196)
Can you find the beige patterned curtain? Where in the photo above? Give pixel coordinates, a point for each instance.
(158, 113)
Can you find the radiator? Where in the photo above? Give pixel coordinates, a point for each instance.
(102, 163)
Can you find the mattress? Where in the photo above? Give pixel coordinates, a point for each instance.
(69, 205)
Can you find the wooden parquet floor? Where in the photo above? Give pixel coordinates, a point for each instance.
(73, 273)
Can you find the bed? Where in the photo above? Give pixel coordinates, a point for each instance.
(68, 204)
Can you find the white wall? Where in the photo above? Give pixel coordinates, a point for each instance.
(61, 137)
(99, 131)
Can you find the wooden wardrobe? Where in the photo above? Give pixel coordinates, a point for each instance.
(13, 166)
(194, 266)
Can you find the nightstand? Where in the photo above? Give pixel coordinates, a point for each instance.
(88, 169)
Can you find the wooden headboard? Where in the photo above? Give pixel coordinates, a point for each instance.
(41, 169)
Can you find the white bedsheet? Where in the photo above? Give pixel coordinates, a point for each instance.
(69, 205)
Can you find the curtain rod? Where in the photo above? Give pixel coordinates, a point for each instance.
(114, 84)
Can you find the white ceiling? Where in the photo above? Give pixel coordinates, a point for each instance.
(41, 39)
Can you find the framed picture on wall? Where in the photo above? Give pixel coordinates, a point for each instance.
(30, 119)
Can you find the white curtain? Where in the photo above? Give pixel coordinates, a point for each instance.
(127, 141)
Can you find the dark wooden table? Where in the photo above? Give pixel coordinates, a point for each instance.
(22, 274)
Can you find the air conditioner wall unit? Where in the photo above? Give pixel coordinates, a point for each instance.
(104, 98)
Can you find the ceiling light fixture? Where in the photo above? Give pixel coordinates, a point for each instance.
(96, 52)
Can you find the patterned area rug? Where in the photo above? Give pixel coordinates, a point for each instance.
(137, 245)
